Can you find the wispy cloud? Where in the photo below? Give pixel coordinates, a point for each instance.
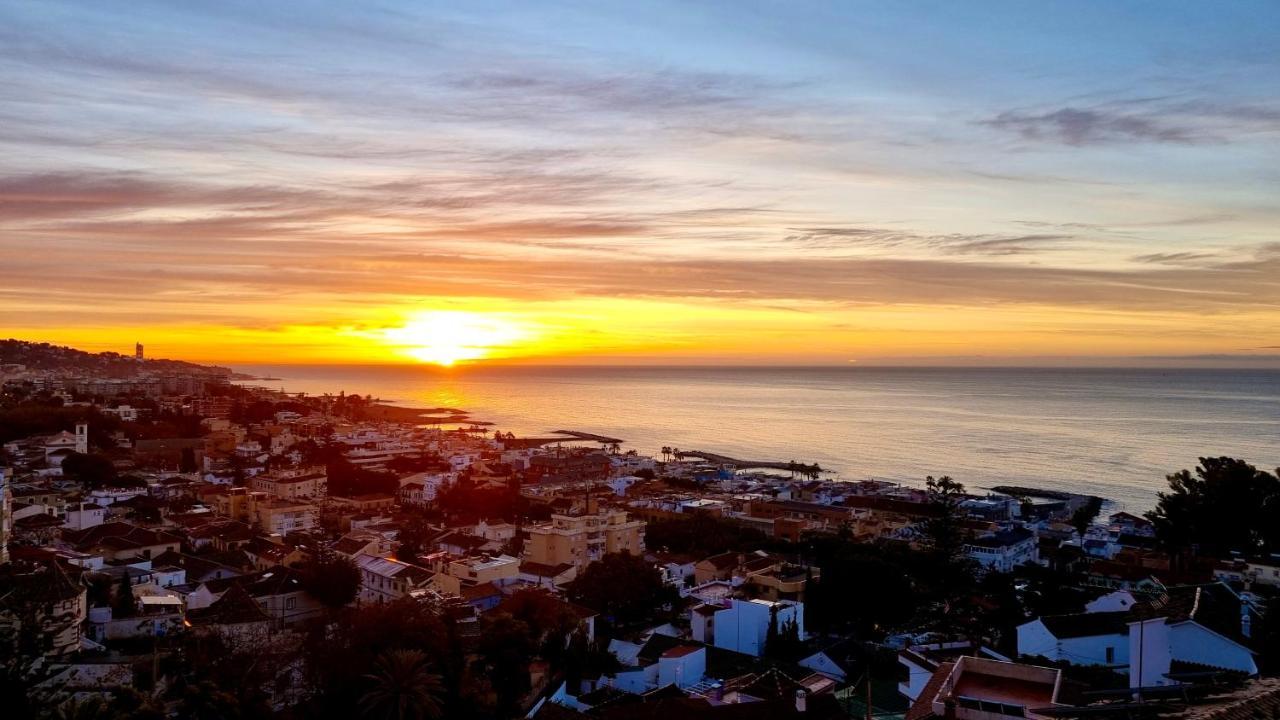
(845, 238)
(1140, 120)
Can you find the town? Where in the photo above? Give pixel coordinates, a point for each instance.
(179, 542)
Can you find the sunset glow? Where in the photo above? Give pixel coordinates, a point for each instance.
(488, 185)
(448, 337)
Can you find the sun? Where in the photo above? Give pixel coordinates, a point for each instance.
(446, 337)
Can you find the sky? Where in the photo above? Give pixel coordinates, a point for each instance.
(653, 182)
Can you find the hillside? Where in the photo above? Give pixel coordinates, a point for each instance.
(43, 356)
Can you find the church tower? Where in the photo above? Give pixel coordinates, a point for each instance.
(82, 438)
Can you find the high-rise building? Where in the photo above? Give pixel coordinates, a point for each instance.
(137, 351)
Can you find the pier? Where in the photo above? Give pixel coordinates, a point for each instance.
(812, 470)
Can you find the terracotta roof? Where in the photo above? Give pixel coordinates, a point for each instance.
(235, 607)
(922, 708)
(543, 569)
(723, 561)
(117, 535)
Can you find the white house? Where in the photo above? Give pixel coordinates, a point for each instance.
(743, 625)
(1198, 624)
(384, 579)
(1005, 550)
(1114, 601)
(85, 515)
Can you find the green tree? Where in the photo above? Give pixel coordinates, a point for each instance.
(622, 587)
(943, 531)
(188, 462)
(204, 700)
(1084, 515)
(1227, 504)
(403, 688)
(506, 646)
(332, 579)
(93, 471)
(125, 605)
(413, 538)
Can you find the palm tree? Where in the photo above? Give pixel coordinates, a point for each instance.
(403, 688)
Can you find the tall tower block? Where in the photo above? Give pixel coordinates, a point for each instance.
(137, 351)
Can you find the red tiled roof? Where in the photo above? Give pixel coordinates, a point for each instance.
(922, 708)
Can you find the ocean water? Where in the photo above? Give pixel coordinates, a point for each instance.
(1114, 433)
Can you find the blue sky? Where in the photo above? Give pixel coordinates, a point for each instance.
(1112, 164)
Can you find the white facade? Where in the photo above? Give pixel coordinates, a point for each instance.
(1034, 639)
(743, 625)
(85, 515)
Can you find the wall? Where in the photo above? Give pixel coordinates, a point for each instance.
(1193, 642)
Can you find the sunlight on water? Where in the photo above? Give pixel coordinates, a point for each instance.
(1112, 432)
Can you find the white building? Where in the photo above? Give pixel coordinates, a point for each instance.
(85, 515)
(743, 625)
(1004, 550)
(384, 579)
(1200, 624)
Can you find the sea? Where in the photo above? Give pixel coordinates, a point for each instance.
(1116, 433)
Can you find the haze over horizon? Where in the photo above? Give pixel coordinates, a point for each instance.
(908, 183)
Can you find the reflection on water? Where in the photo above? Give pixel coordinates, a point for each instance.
(1111, 432)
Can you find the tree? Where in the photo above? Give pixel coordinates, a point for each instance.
(404, 688)
(1084, 515)
(206, 701)
(943, 532)
(93, 471)
(623, 587)
(332, 579)
(413, 538)
(506, 645)
(188, 462)
(1226, 505)
(125, 605)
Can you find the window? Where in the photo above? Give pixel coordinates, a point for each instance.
(290, 603)
(1111, 656)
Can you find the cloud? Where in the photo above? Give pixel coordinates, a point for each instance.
(1078, 127)
(1166, 120)
(1174, 258)
(843, 238)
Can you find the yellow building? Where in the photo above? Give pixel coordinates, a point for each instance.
(271, 514)
(582, 539)
(293, 484)
(469, 572)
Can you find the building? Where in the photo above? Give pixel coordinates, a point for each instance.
(383, 580)
(973, 688)
(1004, 550)
(292, 485)
(45, 602)
(137, 351)
(6, 516)
(271, 514)
(500, 570)
(582, 539)
(121, 541)
(57, 447)
(1201, 626)
(85, 515)
(743, 625)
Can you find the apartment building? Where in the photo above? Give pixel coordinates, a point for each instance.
(582, 539)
